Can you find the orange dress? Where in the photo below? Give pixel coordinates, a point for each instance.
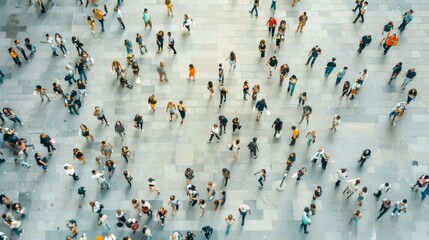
(192, 72)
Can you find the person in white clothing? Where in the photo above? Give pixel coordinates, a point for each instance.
(318, 155)
(342, 174)
(335, 122)
(214, 132)
(385, 187)
(235, 147)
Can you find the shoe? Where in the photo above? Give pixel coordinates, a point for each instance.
(218, 140)
(209, 142)
(392, 214)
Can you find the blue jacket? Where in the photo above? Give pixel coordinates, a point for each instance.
(260, 106)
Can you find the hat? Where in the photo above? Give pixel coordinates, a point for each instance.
(326, 155)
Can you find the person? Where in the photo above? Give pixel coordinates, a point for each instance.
(412, 94)
(72, 225)
(278, 124)
(191, 72)
(91, 23)
(362, 12)
(317, 192)
(208, 231)
(385, 206)
(386, 29)
(262, 177)
(385, 187)
(14, 56)
(61, 43)
(48, 142)
(216, 204)
(341, 174)
(395, 71)
(243, 209)
(311, 137)
(271, 23)
(41, 91)
(262, 47)
(260, 106)
(21, 49)
(171, 107)
(302, 21)
(306, 112)
(226, 175)
(189, 174)
(152, 102)
(302, 98)
(78, 154)
(341, 74)
(78, 44)
(140, 44)
(335, 122)
(102, 220)
(111, 167)
(84, 132)
(30, 46)
(214, 132)
(161, 72)
(98, 14)
(305, 219)
(119, 17)
(146, 208)
(80, 68)
(272, 65)
(420, 183)
(211, 190)
(174, 203)
(187, 20)
(400, 206)
(361, 195)
(70, 171)
(365, 156)
(13, 224)
(147, 232)
(355, 217)
(292, 83)
(125, 153)
(136, 69)
(398, 111)
(273, 5)
(222, 91)
(330, 67)
(346, 89)
(352, 187)
(171, 43)
(359, 4)
(232, 61)
(390, 41)
(162, 214)
(408, 77)
(169, 6)
(147, 19)
(202, 204)
(160, 41)
(52, 44)
(229, 221)
(120, 129)
(318, 155)
(295, 135)
(255, 90)
(255, 7)
(210, 88)
(406, 18)
(41, 161)
(99, 114)
(235, 125)
(364, 42)
(290, 161)
(152, 185)
(313, 54)
(284, 72)
(100, 178)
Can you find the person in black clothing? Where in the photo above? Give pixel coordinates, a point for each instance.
(396, 70)
(253, 147)
(358, 5)
(78, 44)
(138, 122)
(223, 121)
(330, 67)
(365, 155)
(208, 231)
(313, 54)
(365, 41)
(190, 235)
(58, 90)
(47, 142)
(278, 126)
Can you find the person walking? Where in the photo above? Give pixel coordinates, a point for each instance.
(305, 219)
(406, 18)
(223, 122)
(91, 23)
(229, 221)
(359, 4)
(408, 77)
(78, 44)
(211, 190)
(262, 177)
(214, 132)
(298, 175)
(98, 14)
(352, 187)
(232, 61)
(203, 206)
(272, 24)
(311, 137)
(284, 72)
(295, 135)
(330, 67)
(161, 72)
(355, 217)
(318, 155)
(99, 114)
(365, 156)
(30, 46)
(128, 46)
(361, 195)
(174, 203)
(425, 192)
(169, 6)
(171, 107)
(208, 231)
(260, 106)
(400, 206)
(386, 29)
(47, 142)
(262, 47)
(253, 147)
(120, 129)
(324, 160)
(222, 91)
(84, 132)
(364, 42)
(147, 19)
(255, 7)
(273, 5)
(335, 122)
(362, 11)
(14, 56)
(317, 192)
(111, 167)
(52, 44)
(128, 177)
(171, 42)
(189, 174)
(125, 153)
(21, 49)
(292, 83)
(160, 41)
(152, 102)
(385, 187)
(162, 214)
(182, 110)
(119, 17)
(41, 91)
(78, 155)
(70, 171)
(390, 41)
(341, 74)
(398, 111)
(102, 220)
(99, 176)
(341, 175)
(302, 21)
(278, 126)
(412, 94)
(1, 77)
(41, 161)
(187, 21)
(272, 65)
(313, 54)
(243, 209)
(255, 90)
(290, 161)
(152, 185)
(235, 125)
(191, 72)
(395, 71)
(226, 175)
(80, 68)
(61, 44)
(346, 89)
(302, 98)
(385, 206)
(306, 112)
(139, 42)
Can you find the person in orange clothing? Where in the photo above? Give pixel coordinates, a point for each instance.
(91, 23)
(295, 135)
(191, 72)
(14, 56)
(392, 40)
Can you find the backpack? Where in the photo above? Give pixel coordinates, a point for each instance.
(81, 190)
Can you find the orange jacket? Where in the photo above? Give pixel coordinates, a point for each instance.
(391, 40)
(295, 133)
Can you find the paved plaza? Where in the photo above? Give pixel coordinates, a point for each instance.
(165, 149)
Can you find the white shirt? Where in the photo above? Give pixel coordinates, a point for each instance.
(119, 14)
(244, 208)
(111, 237)
(364, 7)
(51, 42)
(336, 121)
(70, 170)
(383, 188)
(215, 130)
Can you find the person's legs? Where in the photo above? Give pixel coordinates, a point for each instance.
(293, 141)
(302, 118)
(243, 216)
(84, 75)
(312, 62)
(403, 24)
(260, 181)
(292, 88)
(102, 24)
(211, 137)
(122, 23)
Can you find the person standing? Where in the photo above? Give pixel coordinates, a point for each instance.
(385, 206)
(272, 24)
(84, 132)
(119, 17)
(222, 91)
(390, 41)
(100, 178)
(226, 175)
(120, 129)
(292, 83)
(98, 14)
(272, 65)
(99, 114)
(355, 217)
(408, 77)
(21, 49)
(260, 106)
(364, 42)
(243, 209)
(302, 21)
(171, 42)
(78, 155)
(412, 94)
(341, 174)
(162, 214)
(313, 54)
(278, 126)
(262, 177)
(147, 19)
(386, 29)
(365, 156)
(324, 160)
(214, 132)
(208, 231)
(125, 153)
(203, 206)
(14, 56)
(255, 8)
(41, 91)
(295, 135)
(174, 203)
(262, 47)
(400, 206)
(70, 171)
(335, 122)
(305, 219)
(362, 12)
(330, 67)
(385, 187)
(346, 89)
(306, 112)
(406, 18)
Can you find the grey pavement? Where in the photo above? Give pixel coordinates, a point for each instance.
(165, 149)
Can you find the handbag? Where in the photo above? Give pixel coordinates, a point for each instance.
(230, 147)
(120, 224)
(130, 86)
(52, 141)
(35, 93)
(268, 112)
(91, 59)
(138, 80)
